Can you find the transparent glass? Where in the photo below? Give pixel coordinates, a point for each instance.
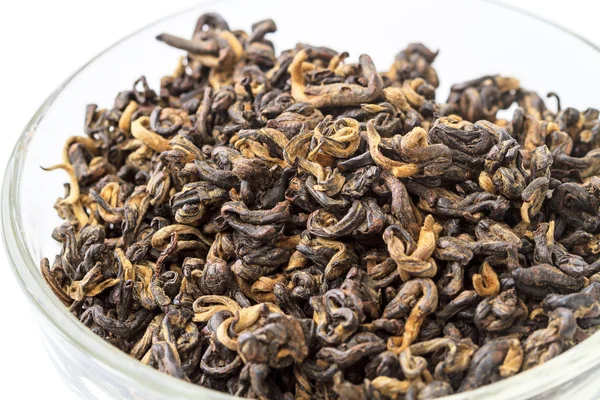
(475, 38)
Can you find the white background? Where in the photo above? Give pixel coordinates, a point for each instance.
(41, 44)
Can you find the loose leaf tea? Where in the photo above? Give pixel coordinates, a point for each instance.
(297, 226)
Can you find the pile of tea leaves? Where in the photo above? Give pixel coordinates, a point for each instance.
(292, 225)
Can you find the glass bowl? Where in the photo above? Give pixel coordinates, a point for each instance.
(475, 38)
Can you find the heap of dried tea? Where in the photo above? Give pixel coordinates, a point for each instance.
(295, 226)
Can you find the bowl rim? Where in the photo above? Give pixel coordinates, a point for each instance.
(559, 370)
